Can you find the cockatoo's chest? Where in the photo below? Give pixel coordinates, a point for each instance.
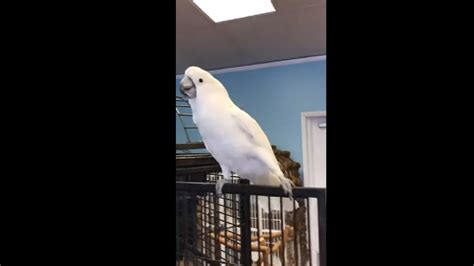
(223, 138)
(219, 130)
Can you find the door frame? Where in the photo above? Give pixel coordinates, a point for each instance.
(308, 157)
(306, 130)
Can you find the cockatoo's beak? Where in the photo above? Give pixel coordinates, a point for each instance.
(187, 87)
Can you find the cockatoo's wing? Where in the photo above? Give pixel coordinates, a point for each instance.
(262, 149)
(250, 127)
(255, 135)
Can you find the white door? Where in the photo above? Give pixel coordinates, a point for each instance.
(314, 167)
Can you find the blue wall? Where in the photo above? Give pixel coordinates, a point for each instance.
(275, 97)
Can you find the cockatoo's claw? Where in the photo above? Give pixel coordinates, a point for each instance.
(287, 188)
(219, 184)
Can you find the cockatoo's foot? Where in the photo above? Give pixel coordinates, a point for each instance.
(287, 186)
(290, 194)
(219, 184)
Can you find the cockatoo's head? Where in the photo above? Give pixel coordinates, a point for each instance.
(197, 80)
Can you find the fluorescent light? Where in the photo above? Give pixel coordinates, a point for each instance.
(223, 10)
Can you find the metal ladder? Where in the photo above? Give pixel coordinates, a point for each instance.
(183, 109)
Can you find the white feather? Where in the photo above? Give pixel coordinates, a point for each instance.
(231, 135)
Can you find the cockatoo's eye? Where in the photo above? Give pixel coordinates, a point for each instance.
(200, 80)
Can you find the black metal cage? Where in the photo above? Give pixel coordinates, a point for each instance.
(236, 229)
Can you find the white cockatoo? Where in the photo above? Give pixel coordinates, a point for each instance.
(230, 135)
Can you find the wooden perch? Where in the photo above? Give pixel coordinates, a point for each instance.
(229, 239)
(232, 243)
(274, 234)
(237, 236)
